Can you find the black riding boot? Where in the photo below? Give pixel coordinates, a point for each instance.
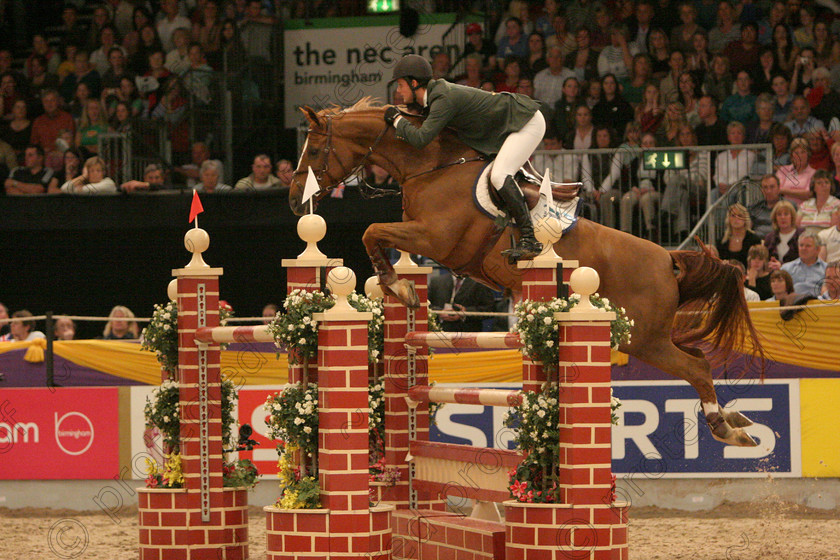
(528, 246)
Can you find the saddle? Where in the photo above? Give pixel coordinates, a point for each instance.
(529, 181)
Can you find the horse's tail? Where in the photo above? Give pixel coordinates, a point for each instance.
(713, 305)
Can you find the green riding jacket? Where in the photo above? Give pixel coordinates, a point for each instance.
(482, 120)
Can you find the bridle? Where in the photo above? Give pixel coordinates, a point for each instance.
(324, 169)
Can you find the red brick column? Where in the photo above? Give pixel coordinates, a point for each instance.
(202, 520)
(397, 378)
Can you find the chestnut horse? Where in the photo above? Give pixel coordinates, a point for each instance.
(441, 222)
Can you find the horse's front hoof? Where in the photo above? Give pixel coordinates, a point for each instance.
(725, 433)
(405, 292)
(736, 419)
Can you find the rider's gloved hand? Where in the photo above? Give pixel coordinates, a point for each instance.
(391, 114)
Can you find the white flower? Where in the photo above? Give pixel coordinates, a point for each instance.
(541, 309)
(166, 418)
(298, 421)
(541, 413)
(530, 317)
(549, 343)
(547, 320)
(166, 326)
(307, 429)
(302, 341)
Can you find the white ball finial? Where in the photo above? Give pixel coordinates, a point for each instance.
(584, 281)
(548, 231)
(172, 290)
(197, 241)
(372, 288)
(341, 282)
(311, 228)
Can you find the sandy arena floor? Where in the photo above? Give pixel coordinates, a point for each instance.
(762, 531)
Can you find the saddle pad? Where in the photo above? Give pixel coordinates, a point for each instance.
(566, 212)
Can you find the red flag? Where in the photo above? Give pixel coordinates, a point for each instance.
(195, 208)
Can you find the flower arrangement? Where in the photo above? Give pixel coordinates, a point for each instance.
(536, 422)
(162, 412)
(161, 334)
(538, 329)
(297, 332)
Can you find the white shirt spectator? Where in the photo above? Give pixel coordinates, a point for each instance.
(105, 186)
(729, 170)
(611, 61)
(831, 239)
(167, 27)
(548, 87)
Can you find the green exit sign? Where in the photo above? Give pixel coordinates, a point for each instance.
(658, 161)
(383, 6)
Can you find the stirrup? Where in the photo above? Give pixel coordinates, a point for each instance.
(525, 249)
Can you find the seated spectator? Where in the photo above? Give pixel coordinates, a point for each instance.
(197, 78)
(260, 178)
(640, 26)
(80, 99)
(208, 32)
(450, 296)
(669, 87)
(804, 66)
(783, 99)
(23, 330)
(178, 59)
(601, 32)
(269, 312)
(100, 58)
(514, 43)
(121, 121)
(536, 55)
(32, 177)
(744, 54)
(815, 213)
(738, 235)
(72, 163)
(593, 92)
(600, 166)
(758, 131)
(93, 123)
(830, 290)
(8, 160)
(783, 241)
(92, 180)
(613, 110)
(819, 141)
(153, 180)
(646, 195)
(64, 329)
(786, 52)
(711, 131)
(565, 106)
(684, 186)
(807, 271)
(41, 79)
(120, 325)
(642, 76)
(825, 45)
(171, 22)
(478, 45)
(718, 81)
(617, 58)
(117, 69)
(672, 124)
(763, 72)
(624, 164)
(760, 211)
(101, 18)
(795, 179)
(68, 65)
(549, 83)
(583, 61)
(802, 122)
(781, 139)
(749, 293)
(84, 73)
(740, 106)
(582, 136)
(71, 31)
(733, 164)
(172, 109)
(17, 131)
(830, 237)
(140, 18)
(285, 171)
(682, 36)
(199, 153)
(650, 113)
(727, 29)
(757, 277)
(561, 36)
(781, 284)
(700, 59)
(510, 79)
(472, 77)
(822, 97)
(41, 48)
(210, 177)
(149, 43)
(803, 35)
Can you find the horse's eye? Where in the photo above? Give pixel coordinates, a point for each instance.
(313, 151)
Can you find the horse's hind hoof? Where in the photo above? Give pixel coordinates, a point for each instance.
(736, 419)
(737, 437)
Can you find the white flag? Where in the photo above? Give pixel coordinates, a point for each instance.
(311, 188)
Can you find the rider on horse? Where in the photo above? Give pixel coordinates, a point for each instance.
(508, 125)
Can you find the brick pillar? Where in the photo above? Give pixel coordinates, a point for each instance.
(397, 381)
(207, 520)
(308, 272)
(539, 281)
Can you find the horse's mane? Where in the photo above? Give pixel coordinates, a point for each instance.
(366, 103)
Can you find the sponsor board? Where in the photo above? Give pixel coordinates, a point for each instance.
(61, 433)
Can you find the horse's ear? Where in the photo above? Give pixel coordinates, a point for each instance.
(310, 115)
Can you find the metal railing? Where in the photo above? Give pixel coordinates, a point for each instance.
(128, 153)
(663, 205)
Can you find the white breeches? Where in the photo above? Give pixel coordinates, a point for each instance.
(516, 149)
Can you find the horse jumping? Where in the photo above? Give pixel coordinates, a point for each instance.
(441, 222)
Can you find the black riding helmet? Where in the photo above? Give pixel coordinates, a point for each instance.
(412, 67)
